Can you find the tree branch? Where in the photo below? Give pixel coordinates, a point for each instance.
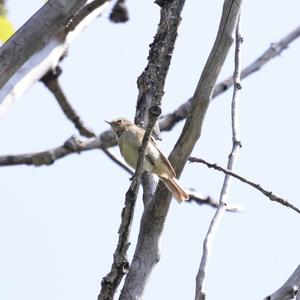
(167, 122)
(269, 194)
(200, 200)
(150, 85)
(48, 157)
(147, 251)
(39, 47)
(51, 82)
(83, 13)
(289, 290)
(151, 89)
(119, 268)
(53, 16)
(236, 145)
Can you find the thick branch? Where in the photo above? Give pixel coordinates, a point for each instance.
(290, 288)
(168, 121)
(34, 60)
(146, 253)
(257, 186)
(35, 34)
(120, 264)
(151, 85)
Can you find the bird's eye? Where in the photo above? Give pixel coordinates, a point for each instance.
(119, 121)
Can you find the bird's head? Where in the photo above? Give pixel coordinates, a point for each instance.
(119, 125)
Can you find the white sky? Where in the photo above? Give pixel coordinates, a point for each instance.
(58, 224)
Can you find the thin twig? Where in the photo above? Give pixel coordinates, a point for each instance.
(146, 254)
(200, 199)
(167, 122)
(51, 82)
(236, 145)
(269, 194)
(117, 161)
(151, 89)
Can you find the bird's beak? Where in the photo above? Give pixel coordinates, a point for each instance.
(107, 122)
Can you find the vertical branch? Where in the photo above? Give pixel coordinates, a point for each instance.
(150, 85)
(151, 89)
(146, 253)
(236, 144)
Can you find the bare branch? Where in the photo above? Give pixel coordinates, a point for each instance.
(72, 145)
(51, 82)
(53, 16)
(290, 288)
(119, 268)
(42, 42)
(273, 51)
(147, 251)
(167, 122)
(151, 84)
(83, 13)
(236, 144)
(269, 194)
(200, 200)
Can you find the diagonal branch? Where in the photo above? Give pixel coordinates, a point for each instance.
(151, 89)
(117, 161)
(200, 200)
(167, 122)
(257, 186)
(147, 250)
(150, 85)
(51, 82)
(37, 32)
(236, 145)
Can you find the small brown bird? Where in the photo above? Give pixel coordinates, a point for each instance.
(130, 138)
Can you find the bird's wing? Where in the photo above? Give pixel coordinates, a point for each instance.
(164, 159)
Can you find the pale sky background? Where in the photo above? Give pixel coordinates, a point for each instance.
(58, 224)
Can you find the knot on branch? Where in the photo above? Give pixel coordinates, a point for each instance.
(45, 158)
(238, 86)
(119, 268)
(51, 75)
(73, 144)
(119, 13)
(155, 111)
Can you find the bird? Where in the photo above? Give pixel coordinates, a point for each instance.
(130, 138)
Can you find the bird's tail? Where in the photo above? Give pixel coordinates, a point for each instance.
(175, 188)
